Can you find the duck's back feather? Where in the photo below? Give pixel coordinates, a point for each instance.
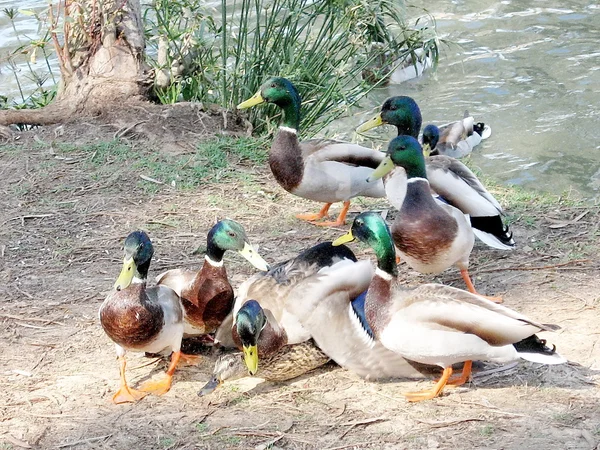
(455, 182)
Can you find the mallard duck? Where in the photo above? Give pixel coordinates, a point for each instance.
(206, 294)
(262, 323)
(437, 324)
(332, 311)
(448, 177)
(456, 139)
(322, 170)
(430, 235)
(139, 318)
(288, 363)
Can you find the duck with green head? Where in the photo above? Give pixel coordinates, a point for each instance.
(430, 235)
(322, 170)
(207, 295)
(263, 322)
(437, 324)
(448, 177)
(141, 318)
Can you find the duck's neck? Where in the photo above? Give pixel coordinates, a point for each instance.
(141, 273)
(418, 196)
(377, 304)
(285, 158)
(214, 254)
(380, 288)
(291, 115)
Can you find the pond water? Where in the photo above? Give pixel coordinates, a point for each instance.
(530, 69)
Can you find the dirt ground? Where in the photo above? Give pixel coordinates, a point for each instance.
(62, 227)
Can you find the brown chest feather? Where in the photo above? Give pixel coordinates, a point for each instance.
(209, 298)
(423, 230)
(285, 160)
(130, 319)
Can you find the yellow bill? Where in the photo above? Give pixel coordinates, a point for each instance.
(426, 150)
(348, 237)
(251, 358)
(374, 122)
(126, 274)
(256, 99)
(253, 257)
(385, 167)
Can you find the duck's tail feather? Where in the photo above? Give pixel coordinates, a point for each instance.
(491, 231)
(534, 349)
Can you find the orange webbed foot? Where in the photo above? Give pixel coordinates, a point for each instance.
(125, 394)
(430, 393)
(340, 221)
(419, 396)
(157, 387)
(311, 217)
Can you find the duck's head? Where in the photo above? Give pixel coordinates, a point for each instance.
(138, 253)
(230, 235)
(277, 90)
(228, 367)
(250, 321)
(371, 228)
(431, 136)
(401, 111)
(403, 151)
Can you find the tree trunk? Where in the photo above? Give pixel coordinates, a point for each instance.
(101, 61)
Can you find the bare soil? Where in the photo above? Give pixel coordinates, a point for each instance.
(62, 227)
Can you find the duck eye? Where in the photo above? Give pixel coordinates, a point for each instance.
(273, 85)
(393, 107)
(231, 234)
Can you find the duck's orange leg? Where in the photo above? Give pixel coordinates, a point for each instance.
(341, 220)
(162, 386)
(465, 275)
(310, 217)
(125, 394)
(433, 392)
(464, 376)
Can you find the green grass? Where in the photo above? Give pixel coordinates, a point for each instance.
(486, 431)
(214, 160)
(201, 427)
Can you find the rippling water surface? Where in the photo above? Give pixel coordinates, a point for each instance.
(531, 69)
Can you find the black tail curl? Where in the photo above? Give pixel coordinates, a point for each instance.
(534, 344)
(494, 226)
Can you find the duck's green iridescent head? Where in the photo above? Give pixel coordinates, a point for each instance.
(431, 136)
(250, 321)
(228, 234)
(281, 92)
(138, 254)
(371, 228)
(401, 111)
(403, 151)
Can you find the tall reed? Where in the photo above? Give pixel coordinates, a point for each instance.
(223, 56)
